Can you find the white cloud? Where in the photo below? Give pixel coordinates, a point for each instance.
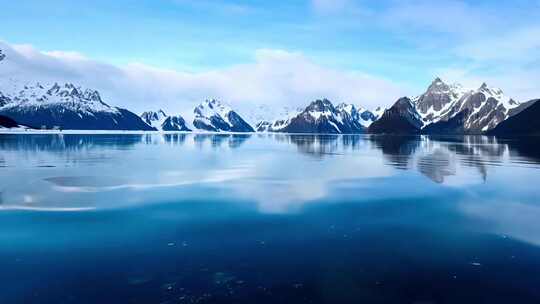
(274, 77)
(516, 45)
(473, 42)
(66, 55)
(509, 218)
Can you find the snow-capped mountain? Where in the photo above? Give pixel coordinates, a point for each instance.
(401, 118)
(438, 98)
(321, 116)
(63, 106)
(163, 122)
(214, 116)
(453, 109)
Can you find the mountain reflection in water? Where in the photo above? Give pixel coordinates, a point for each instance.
(271, 169)
(435, 156)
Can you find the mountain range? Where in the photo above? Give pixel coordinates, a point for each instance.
(211, 116)
(65, 106)
(451, 109)
(442, 109)
(321, 116)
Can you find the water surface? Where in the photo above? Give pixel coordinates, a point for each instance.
(201, 218)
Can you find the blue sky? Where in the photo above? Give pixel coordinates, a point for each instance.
(405, 43)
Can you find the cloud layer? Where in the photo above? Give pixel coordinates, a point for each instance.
(460, 40)
(274, 77)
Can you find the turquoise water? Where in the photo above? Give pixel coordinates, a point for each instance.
(184, 218)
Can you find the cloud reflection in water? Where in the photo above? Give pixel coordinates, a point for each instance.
(278, 172)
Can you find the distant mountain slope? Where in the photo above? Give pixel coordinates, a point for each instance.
(401, 118)
(321, 116)
(526, 122)
(163, 122)
(214, 116)
(521, 107)
(67, 107)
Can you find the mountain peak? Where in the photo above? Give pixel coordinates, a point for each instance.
(320, 116)
(321, 105)
(151, 116)
(437, 80)
(346, 107)
(210, 106)
(404, 101)
(162, 122)
(401, 118)
(496, 92)
(406, 104)
(212, 115)
(213, 103)
(438, 86)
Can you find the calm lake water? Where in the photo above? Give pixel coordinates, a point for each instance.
(184, 218)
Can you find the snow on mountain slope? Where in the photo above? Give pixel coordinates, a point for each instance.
(67, 95)
(321, 116)
(358, 115)
(63, 106)
(163, 122)
(378, 112)
(480, 109)
(401, 118)
(154, 119)
(438, 98)
(214, 116)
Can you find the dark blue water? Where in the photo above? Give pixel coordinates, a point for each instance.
(182, 218)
